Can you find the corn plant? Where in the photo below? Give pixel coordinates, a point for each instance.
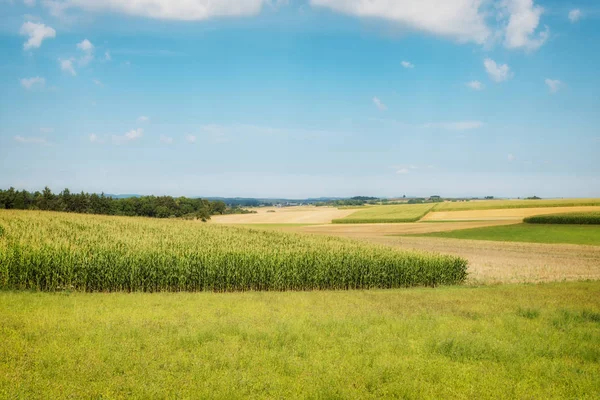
(49, 251)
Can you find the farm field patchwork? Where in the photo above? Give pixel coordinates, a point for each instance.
(515, 341)
(285, 215)
(503, 204)
(532, 233)
(387, 214)
(50, 251)
(501, 214)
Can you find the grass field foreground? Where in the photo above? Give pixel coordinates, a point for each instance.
(54, 251)
(579, 218)
(512, 341)
(532, 233)
(387, 214)
(504, 204)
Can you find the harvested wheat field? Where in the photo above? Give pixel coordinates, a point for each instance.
(507, 214)
(285, 215)
(503, 262)
(489, 261)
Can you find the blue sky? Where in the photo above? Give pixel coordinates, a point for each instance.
(272, 98)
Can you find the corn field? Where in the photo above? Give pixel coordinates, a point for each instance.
(50, 251)
(575, 218)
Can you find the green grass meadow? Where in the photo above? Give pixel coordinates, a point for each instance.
(512, 341)
(532, 233)
(387, 214)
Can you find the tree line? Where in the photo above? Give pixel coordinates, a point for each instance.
(86, 203)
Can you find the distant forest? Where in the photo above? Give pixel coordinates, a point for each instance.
(86, 203)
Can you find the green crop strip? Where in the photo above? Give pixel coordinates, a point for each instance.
(50, 251)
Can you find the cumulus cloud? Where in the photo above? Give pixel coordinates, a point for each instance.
(130, 136)
(407, 64)
(85, 45)
(461, 20)
(31, 83)
(379, 104)
(190, 138)
(498, 73)
(478, 21)
(107, 56)
(93, 137)
(143, 118)
(186, 10)
(31, 140)
(88, 52)
(37, 33)
(97, 82)
(522, 25)
(454, 126)
(67, 65)
(553, 84)
(511, 158)
(575, 15)
(29, 3)
(166, 139)
(475, 85)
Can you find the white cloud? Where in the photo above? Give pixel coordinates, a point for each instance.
(88, 52)
(553, 84)
(454, 126)
(107, 56)
(85, 45)
(475, 85)
(31, 83)
(31, 140)
(461, 20)
(575, 15)
(402, 171)
(37, 33)
(522, 25)
(478, 21)
(134, 134)
(93, 137)
(46, 130)
(29, 3)
(97, 82)
(407, 64)
(186, 10)
(379, 104)
(143, 118)
(498, 73)
(130, 136)
(511, 158)
(67, 66)
(190, 138)
(166, 139)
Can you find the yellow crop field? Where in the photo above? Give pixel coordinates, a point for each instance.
(500, 204)
(387, 214)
